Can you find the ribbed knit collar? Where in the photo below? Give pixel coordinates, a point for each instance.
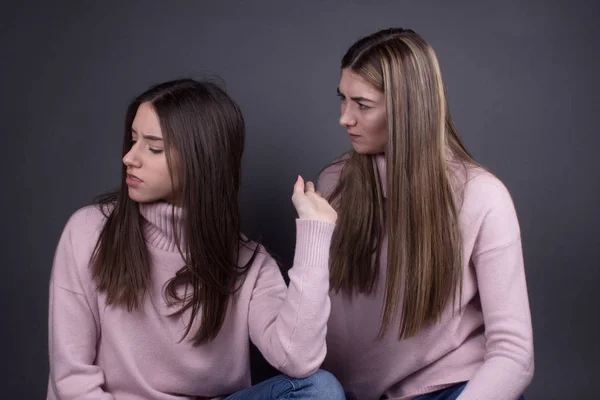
(159, 227)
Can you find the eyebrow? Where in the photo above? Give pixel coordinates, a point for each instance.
(148, 137)
(355, 98)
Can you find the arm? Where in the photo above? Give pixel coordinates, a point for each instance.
(498, 261)
(289, 325)
(72, 330)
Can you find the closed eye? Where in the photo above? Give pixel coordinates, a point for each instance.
(153, 150)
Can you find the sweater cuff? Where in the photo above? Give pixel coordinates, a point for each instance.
(313, 239)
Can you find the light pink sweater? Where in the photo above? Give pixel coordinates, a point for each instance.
(487, 342)
(104, 352)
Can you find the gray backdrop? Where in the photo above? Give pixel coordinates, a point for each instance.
(523, 89)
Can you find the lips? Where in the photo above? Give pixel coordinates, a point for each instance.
(134, 178)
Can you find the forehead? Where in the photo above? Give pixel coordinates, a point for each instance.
(146, 121)
(353, 85)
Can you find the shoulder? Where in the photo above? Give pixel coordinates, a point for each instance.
(87, 220)
(330, 174)
(82, 230)
(487, 209)
(484, 190)
(477, 188)
(254, 252)
(75, 247)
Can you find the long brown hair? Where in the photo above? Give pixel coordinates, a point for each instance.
(420, 215)
(203, 133)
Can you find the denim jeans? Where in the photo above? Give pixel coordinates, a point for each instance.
(450, 393)
(319, 386)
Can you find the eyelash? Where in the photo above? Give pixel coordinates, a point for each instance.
(154, 151)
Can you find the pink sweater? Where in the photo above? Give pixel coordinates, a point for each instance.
(487, 342)
(104, 352)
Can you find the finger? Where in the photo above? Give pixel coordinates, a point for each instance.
(318, 193)
(310, 187)
(299, 185)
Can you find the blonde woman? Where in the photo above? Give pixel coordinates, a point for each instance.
(428, 292)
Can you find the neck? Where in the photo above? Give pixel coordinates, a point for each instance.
(163, 225)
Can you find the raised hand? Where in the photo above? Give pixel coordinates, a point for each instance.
(310, 204)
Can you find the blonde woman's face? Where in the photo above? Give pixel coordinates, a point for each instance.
(363, 113)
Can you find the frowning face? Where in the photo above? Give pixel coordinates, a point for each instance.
(363, 113)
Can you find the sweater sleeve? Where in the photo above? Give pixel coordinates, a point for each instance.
(289, 325)
(498, 261)
(73, 328)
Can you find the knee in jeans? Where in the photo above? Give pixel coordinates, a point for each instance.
(327, 385)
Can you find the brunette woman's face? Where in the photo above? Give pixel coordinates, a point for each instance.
(148, 177)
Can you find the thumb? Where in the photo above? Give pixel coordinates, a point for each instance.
(299, 186)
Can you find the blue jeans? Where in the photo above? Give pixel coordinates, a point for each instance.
(319, 386)
(450, 393)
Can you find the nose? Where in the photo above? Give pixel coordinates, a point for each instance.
(131, 158)
(346, 117)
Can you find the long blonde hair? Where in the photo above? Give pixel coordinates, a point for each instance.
(424, 252)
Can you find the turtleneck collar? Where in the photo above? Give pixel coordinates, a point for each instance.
(159, 227)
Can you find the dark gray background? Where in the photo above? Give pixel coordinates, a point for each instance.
(523, 89)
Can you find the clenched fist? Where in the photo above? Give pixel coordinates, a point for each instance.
(310, 204)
